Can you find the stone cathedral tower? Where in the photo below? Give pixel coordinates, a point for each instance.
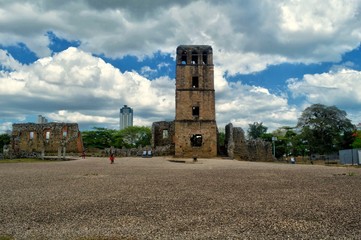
(195, 121)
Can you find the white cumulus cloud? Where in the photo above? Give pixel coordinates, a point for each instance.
(339, 88)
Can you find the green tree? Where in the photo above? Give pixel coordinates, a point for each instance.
(348, 139)
(133, 137)
(357, 140)
(287, 141)
(256, 130)
(98, 138)
(4, 140)
(221, 138)
(323, 128)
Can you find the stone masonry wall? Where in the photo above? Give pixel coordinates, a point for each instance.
(239, 148)
(162, 133)
(163, 138)
(195, 123)
(228, 140)
(46, 138)
(208, 130)
(259, 150)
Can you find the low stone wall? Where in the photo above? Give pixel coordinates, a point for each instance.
(166, 150)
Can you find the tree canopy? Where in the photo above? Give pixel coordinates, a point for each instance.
(130, 137)
(98, 138)
(256, 130)
(4, 140)
(324, 128)
(133, 137)
(357, 139)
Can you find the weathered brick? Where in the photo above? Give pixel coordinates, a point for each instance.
(195, 123)
(46, 138)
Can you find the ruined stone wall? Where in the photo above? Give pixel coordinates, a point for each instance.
(162, 133)
(208, 131)
(167, 150)
(259, 150)
(46, 138)
(163, 138)
(249, 150)
(240, 143)
(195, 123)
(228, 140)
(185, 100)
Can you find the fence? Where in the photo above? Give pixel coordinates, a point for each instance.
(350, 156)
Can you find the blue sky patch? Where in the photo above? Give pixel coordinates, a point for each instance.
(60, 44)
(21, 53)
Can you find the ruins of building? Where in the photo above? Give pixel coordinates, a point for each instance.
(193, 133)
(32, 139)
(163, 138)
(249, 150)
(195, 122)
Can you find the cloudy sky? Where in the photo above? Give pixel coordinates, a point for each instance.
(81, 61)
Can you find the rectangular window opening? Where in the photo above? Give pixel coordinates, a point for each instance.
(47, 135)
(31, 135)
(195, 82)
(195, 111)
(165, 133)
(196, 140)
(194, 59)
(205, 58)
(184, 60)
(65, 133)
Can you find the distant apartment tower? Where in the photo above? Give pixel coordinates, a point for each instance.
(42, 119)
(126, 117)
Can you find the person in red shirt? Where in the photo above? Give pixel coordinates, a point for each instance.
(111, 158)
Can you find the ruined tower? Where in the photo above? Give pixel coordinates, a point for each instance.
(195, 122)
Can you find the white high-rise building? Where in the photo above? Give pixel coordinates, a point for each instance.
(42, 119)
(126, 117)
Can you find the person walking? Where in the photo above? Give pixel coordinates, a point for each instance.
(111, 158)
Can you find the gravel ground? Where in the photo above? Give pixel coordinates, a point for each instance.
(155, 198)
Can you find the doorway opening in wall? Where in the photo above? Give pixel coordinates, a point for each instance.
(196, 140)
